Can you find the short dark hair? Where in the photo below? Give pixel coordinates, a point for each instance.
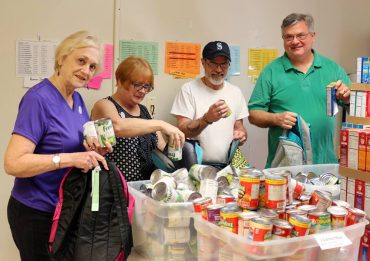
(295, 18)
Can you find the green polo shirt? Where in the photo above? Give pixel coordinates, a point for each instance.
(281, 87)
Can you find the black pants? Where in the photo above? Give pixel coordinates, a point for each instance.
(30, 230)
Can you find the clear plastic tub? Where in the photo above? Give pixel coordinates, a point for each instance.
(317, 169)
(218, 244)
(162, 231)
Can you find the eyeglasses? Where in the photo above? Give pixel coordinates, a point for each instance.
(300, 37)
(138, 86)
(214, 65)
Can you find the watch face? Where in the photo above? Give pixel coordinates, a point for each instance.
(56, 159)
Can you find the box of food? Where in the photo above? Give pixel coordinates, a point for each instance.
(162, 231)
(216, 244)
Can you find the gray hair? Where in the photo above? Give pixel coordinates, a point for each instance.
(294, 18)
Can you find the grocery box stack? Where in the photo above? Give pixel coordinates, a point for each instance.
(284, 213)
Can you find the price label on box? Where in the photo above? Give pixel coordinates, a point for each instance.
(332, 240)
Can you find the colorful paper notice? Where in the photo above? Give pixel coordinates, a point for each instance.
(147, 50)
(95, 82)
(258, 59)
(234, 68)
(182, 59)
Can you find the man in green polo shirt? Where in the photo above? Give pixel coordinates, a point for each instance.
(295, 83)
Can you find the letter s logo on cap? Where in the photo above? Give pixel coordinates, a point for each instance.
(219, 46)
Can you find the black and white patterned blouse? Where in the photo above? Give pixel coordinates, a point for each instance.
(132, 155)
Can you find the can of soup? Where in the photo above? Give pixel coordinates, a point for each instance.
(89, 130)
(275, 192)
(105, 131)
(174, 153)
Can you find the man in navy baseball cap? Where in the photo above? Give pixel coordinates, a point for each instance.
(210, 109)
(216, 48)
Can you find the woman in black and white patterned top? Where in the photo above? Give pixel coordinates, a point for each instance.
(137, 134)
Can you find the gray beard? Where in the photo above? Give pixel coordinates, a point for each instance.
(216, 82)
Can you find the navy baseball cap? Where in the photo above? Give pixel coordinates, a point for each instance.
(216, 48)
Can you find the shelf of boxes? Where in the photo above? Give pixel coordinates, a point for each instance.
(364, 100)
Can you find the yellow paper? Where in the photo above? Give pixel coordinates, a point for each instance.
(258, 59)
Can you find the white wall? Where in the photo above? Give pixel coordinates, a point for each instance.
(342, 34)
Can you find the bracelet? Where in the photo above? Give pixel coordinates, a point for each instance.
(205, 120)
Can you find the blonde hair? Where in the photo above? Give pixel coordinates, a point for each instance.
(81, 39)
(134, 67)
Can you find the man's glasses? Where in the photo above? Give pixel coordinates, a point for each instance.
(214, 65)
(300, 37)
(138, 86)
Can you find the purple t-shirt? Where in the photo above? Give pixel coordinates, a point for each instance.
(45, 118)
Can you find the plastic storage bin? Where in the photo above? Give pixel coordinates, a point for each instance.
(218, 244)
(162, 231)
(317, 169)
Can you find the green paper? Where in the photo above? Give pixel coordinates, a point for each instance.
(95, 189)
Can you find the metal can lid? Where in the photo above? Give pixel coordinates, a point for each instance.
(275, 177)
(281, 223)
(300, 219)
(341, 203)
(307, 208)
(357, 211)
(268, 213)
(214, 206)
(261, 220)
(337, 210)
(202, 200)
(319, 213)
(248, 215)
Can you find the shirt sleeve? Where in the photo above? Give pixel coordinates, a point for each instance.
(31, 119)
(183, 105)
(261, 95)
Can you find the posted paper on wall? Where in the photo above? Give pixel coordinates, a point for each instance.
(182, 59)
(35, 58)
(258, 59)
(147, 50)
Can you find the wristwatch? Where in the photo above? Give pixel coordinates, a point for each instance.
(56, 160)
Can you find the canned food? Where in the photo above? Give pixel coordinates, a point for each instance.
(297, 188)
(157, 175)
(275, 192)
(146, 189)
(260, 229)
(105, 131)
(189, 195)
(223, 199)
(174, 153)
(355, 216)
(213, 213)
(320, 222)
(329, 178)
(301, 225)
(249, 191)
(208, 188)
(341, 203)
(200, 206)
(182, 176)
(243, 222)
(304, 199)
(162, 191)
(294, 212)
(89, 130)
(198, 172)
(321, 200)
(262, 193)
(307, 208)
(281, 229)
(338, 216)
(229, 219)
(268, 213)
